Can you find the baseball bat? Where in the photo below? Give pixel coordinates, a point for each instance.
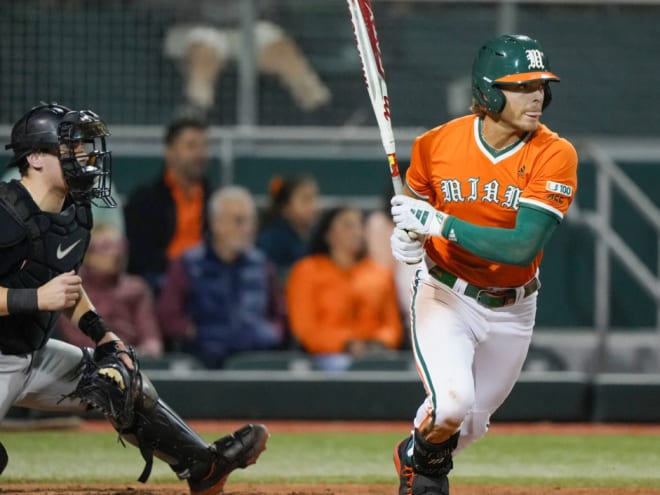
(364, 27)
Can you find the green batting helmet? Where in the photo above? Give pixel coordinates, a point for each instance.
(508, 59)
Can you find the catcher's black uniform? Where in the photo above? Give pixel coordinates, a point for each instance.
(37, 372)
(47, 374)
(35, 247)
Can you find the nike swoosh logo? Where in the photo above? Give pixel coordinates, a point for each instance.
(61, 253)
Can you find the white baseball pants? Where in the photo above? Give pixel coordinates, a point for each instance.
(468, 356)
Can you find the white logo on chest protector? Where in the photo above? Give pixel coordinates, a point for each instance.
(61, 253)
(535, 58)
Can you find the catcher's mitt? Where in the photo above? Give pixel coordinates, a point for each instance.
(108, 385)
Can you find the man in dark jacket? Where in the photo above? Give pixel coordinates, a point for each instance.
(167, 216)
(222, 297)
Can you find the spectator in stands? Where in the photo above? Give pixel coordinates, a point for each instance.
(222, 296)
(379, 226)
(207, 35)
(341, 303)
(167, 216)
(288, 224)
(124, 300)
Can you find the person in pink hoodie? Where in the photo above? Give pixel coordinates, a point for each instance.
(123, 299)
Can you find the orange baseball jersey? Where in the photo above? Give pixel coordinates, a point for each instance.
(456, 171)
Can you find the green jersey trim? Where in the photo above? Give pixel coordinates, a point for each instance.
(417, 350)
(496, 156)
(546, 208)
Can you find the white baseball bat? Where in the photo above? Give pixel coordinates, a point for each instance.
(364, 26)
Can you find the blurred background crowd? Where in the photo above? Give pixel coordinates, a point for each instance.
(253, 189)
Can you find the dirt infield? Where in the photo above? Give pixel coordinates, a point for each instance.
(315, 489)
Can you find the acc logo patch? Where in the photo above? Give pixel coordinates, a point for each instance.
(556, 198)
(559, 188)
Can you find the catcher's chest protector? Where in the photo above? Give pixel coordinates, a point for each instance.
(56, 244)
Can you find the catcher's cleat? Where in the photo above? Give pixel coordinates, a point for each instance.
(4, 458)
(238, 450)
(410, 482)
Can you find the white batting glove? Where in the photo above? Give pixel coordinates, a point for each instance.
(417, 216)
(405, 249)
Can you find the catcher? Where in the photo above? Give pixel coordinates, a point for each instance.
(45, 224)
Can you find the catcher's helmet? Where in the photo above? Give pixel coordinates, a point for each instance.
(77, 138)
(508, 59)
(37, 130)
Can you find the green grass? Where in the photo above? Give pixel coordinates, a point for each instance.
(608, 460)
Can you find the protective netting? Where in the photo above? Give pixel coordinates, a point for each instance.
(110, 56)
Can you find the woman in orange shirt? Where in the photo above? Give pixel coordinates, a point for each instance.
(341, 303)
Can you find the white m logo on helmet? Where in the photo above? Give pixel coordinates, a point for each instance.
(535, 58)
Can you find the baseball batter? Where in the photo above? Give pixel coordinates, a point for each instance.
(45, 224)
(484, 194)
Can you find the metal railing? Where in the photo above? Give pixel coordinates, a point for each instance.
(610, 177)
(609, 244)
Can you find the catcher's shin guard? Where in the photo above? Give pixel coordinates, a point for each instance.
(423, 466)
(159, 431)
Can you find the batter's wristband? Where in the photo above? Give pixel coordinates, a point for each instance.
(93, 326)
(22, 301)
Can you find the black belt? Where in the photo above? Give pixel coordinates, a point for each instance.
(489, 297)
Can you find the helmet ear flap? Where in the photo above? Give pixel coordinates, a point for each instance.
(493, 99)
(489, 97)
(497, 100)
(547, 98)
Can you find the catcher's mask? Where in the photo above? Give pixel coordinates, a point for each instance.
(509, 60)
(77, 138)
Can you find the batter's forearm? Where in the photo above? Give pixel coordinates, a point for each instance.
(517, 246)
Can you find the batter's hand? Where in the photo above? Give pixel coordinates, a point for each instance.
(405, 249)
(417, 216)
(60, 293)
